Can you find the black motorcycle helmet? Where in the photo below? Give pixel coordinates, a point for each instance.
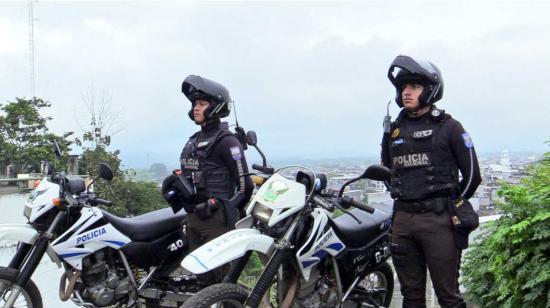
(197, 87)
(421, 72)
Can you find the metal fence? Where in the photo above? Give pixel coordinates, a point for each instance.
(11, 170)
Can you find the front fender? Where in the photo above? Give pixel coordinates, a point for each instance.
(18, 232)
(226, 248)
(27, 234)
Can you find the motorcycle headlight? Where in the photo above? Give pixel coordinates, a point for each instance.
(262, 212)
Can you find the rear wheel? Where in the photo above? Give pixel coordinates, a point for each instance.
(29, 295)
(226, 295)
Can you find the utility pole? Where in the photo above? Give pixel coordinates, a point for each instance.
(31, 46)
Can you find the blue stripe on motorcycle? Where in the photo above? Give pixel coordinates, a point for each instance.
(120, 244)
(336, 246)
(74, 254)
(199, 261)
(320, 254)
(308, 263)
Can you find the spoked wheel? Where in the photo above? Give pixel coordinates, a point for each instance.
(29, 295)
(223, 295)
(377, 286)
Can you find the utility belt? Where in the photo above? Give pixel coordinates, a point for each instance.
(436, 205)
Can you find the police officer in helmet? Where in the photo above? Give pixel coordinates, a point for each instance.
(427, 149)
(212, 184)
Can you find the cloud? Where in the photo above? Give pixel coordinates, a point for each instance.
(309, 77)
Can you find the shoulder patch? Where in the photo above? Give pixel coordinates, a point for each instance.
(467, 140)
(235, 153)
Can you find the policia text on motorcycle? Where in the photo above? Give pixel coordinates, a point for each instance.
(426, 148)
(211, 186)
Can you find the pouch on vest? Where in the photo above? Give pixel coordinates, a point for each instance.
(464, 220)
(464, 215)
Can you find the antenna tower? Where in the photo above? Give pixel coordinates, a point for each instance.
(31, 45)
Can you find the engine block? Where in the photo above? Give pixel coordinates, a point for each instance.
(105, 284)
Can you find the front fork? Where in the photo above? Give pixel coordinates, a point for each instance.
(272, 266)
(20, 255)
(28, 257)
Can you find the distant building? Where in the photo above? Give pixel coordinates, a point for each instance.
(355, 194)
(376, 186)
(378, 197)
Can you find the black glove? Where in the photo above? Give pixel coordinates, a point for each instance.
(172, 192)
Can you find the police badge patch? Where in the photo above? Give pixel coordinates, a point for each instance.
(236, 153)
(395, 133)
(203, 144)
(467, 140)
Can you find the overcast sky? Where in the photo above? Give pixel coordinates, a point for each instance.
(309, 78)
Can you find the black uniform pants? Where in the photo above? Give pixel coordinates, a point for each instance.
(425, 241)
(199, 232)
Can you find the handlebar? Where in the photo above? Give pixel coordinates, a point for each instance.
(266, 169)
(103, 202)
(356, 204)
(347, 201)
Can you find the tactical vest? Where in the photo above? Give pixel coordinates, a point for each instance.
(422, 163)
(209, 178)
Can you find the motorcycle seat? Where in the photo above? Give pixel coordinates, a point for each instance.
(147, 226)
(372, 225)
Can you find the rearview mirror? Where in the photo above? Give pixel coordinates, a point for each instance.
(251, 138)
(377, 173)
(104, 171)
(75, 185)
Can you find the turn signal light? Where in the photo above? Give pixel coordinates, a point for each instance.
(258, 180)
(35, 184)
(56, 201)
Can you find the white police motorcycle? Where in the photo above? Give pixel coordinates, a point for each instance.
(313, 259)
(108, 260)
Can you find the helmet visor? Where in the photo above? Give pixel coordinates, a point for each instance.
(195, 86)
(405, 65)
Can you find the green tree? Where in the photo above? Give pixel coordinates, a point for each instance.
(24, 135)
(510, 266)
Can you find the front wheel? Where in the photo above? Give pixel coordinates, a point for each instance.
(376, 287)
(225, 295)
(29, 296)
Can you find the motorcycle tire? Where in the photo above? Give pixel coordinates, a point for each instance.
(228, 295)
(29, 293)
(383, 278)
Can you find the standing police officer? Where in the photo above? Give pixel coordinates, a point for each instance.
(426, 148)
(212, 185)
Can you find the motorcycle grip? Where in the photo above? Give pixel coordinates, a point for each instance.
(263, 169)
(103, 202)
(357, 204)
